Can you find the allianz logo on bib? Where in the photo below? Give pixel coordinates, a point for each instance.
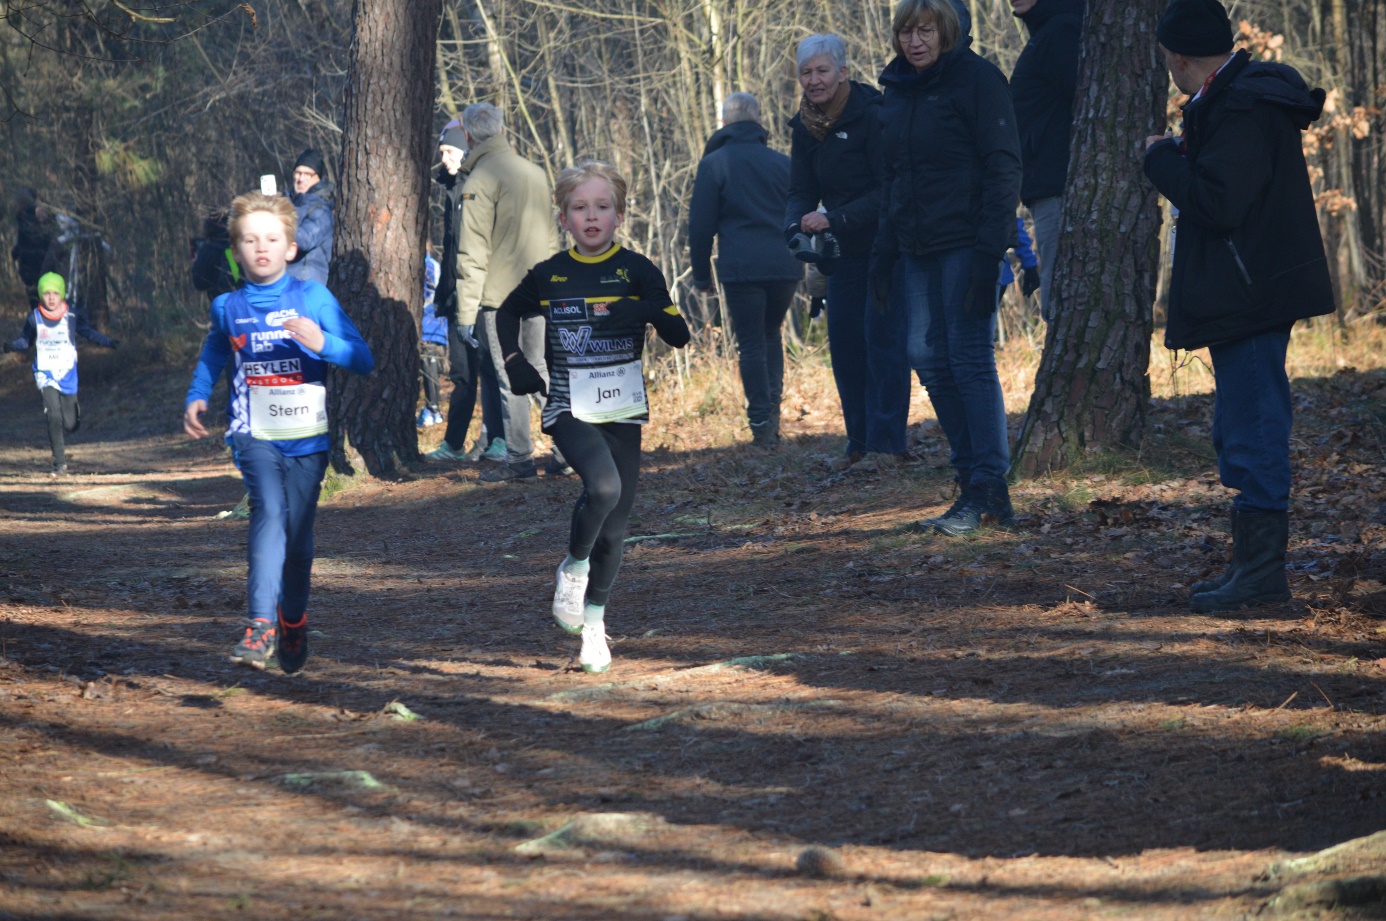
(580, 342)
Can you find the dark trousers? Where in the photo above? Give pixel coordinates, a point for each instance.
(63, 416)
(953, 351)
(757, 311)
(431, 360)
(1251, 420)
(467, 369)
(283, 506)
(870, 366)
(607, 457)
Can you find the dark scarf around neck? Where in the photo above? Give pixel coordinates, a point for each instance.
(820, 121)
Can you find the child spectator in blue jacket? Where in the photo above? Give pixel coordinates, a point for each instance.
(51, 330)
(433, 350)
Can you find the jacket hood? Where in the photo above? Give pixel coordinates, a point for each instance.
(859, 96)
(745, 132)
(1280, 85)
(1045, 10)
(323, 190)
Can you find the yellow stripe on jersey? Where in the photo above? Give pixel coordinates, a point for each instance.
(598, 300)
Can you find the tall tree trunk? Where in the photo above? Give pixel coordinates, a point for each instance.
(382, 219)
(1091, 389)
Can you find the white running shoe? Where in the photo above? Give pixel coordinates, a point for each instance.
(568, 596)
(595, 657)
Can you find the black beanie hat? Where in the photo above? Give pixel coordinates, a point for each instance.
(453, 137)
(1197, 28)
(314, 161)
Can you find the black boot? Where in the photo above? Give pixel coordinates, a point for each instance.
(1209, 585)
(984, 504)
(763, 434)
(1259, 540)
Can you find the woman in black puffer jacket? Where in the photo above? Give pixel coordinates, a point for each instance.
(950, 186)
(835, 162)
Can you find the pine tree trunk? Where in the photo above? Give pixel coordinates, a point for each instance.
(381, 224)
(1091, 389)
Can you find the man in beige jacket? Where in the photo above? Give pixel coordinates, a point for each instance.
(507, 227)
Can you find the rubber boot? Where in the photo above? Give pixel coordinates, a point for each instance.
(1209, 585)
(1259, 540)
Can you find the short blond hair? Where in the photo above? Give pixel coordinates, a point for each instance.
(249, 203)
(581, 172)
(938, 13)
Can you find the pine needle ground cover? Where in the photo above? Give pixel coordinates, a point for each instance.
(815, 711)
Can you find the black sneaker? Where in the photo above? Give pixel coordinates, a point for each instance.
(556, 467)
(59, 470)
(292, 644)
(986, 505)
(257, 649)
(505, 473)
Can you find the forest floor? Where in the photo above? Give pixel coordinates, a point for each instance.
(1025, 724)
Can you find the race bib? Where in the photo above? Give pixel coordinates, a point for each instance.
(288, 411)
(607, 394)
(54, 352)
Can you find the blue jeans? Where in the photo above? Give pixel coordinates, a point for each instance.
(869, 365)
(757, 311)
(283, 506)
(1251, 420)
(953, 354)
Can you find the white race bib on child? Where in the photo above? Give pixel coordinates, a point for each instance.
(607, 394)
(286, 412)
(55, 351)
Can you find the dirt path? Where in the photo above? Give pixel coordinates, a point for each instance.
(1025, 725)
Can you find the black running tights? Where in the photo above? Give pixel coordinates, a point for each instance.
(607, 457)
(63, 416)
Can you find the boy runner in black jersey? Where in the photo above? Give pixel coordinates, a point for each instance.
(597, 298)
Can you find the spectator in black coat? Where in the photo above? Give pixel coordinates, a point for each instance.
(33, 241)
(951, 182)
(1248, 263)
(835, 164)
(739, 196)
(312, 198)
(1042, 86)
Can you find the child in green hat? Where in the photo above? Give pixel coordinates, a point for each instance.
(52, 330)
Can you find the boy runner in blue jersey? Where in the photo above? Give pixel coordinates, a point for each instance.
(282, 334)
(597, 298)
(52, 329)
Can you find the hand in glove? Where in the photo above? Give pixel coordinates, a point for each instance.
(468, 334)
(981, 292)
(1029, 281)
(524, 379)
(880, 279)
(801, 247)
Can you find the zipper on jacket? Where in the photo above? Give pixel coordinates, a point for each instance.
(1241, 266)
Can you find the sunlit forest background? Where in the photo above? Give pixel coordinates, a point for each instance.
(135, 125)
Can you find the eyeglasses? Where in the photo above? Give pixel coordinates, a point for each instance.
(921, 34)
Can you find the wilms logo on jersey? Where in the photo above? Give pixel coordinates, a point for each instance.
(568, 309)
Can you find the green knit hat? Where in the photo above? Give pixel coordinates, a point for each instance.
(52, 281)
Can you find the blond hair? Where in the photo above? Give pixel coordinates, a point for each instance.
(249, 203)
(581, 172)
(938, 13)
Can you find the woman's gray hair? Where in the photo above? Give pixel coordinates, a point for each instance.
(818, 45)
(740, 107)
(481, 121)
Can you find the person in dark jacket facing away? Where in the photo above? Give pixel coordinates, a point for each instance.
(739, 196)
(1043, 83)
(1248, 262)
(835, 161)
(951, 181)
(33, 241)
(214, 269)
(312, 198)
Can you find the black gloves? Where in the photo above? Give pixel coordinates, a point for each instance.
(524, 379)
(629, 311)
(801, 247)
(447, 307)
(1029, 281)
(981, 292)
(816, 305)
(880, 279)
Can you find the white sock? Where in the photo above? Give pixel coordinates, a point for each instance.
(593, 613)
(575, 567)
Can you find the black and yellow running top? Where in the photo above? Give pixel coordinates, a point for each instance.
(593, 359)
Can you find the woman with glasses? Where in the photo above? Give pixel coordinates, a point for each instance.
(835, 163)
(950, 185)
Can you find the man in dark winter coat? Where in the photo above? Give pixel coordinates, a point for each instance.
(33, 241)
(1248, 262)
(739, 196)
(1042, 86)
(312, 198)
